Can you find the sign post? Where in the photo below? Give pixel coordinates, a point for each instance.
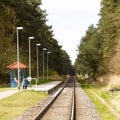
(86, 77)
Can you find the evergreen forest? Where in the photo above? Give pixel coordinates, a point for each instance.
(99, 48)
(29, 15)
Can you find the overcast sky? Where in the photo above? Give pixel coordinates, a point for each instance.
(70, 19)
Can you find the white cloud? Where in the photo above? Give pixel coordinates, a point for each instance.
(69, 4)
(70, 19)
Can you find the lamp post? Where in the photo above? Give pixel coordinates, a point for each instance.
(43, 61)
(18, 28)
(47, 63)
(30, 57)
(37, 45)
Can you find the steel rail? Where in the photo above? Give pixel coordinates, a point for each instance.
(44, 110)
(73, 103)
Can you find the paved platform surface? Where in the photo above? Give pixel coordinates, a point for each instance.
(43, 87)
(8, 93)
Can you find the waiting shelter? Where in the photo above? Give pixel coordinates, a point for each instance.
(14, 73)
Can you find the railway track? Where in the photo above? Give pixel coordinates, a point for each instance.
(62, 106)
(69, 103)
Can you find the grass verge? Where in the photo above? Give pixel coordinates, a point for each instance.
(17, 104)
(104, 112)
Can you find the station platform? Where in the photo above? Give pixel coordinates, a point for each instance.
(46, 87)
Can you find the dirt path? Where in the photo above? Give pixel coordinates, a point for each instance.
(8, 93)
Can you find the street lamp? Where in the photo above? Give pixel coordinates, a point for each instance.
(37, 45)
(18, 28)
(30, 57)
(47, 63)
(43, 61)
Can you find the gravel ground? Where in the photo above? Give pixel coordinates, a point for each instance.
(85, 110)
(61, 108)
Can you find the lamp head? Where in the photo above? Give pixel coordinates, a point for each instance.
(19, 28)
(38, 44)
(44, 48)
(48, 52)
(31, 37)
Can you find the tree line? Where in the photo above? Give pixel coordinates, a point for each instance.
(99, 48)
(29, 15)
